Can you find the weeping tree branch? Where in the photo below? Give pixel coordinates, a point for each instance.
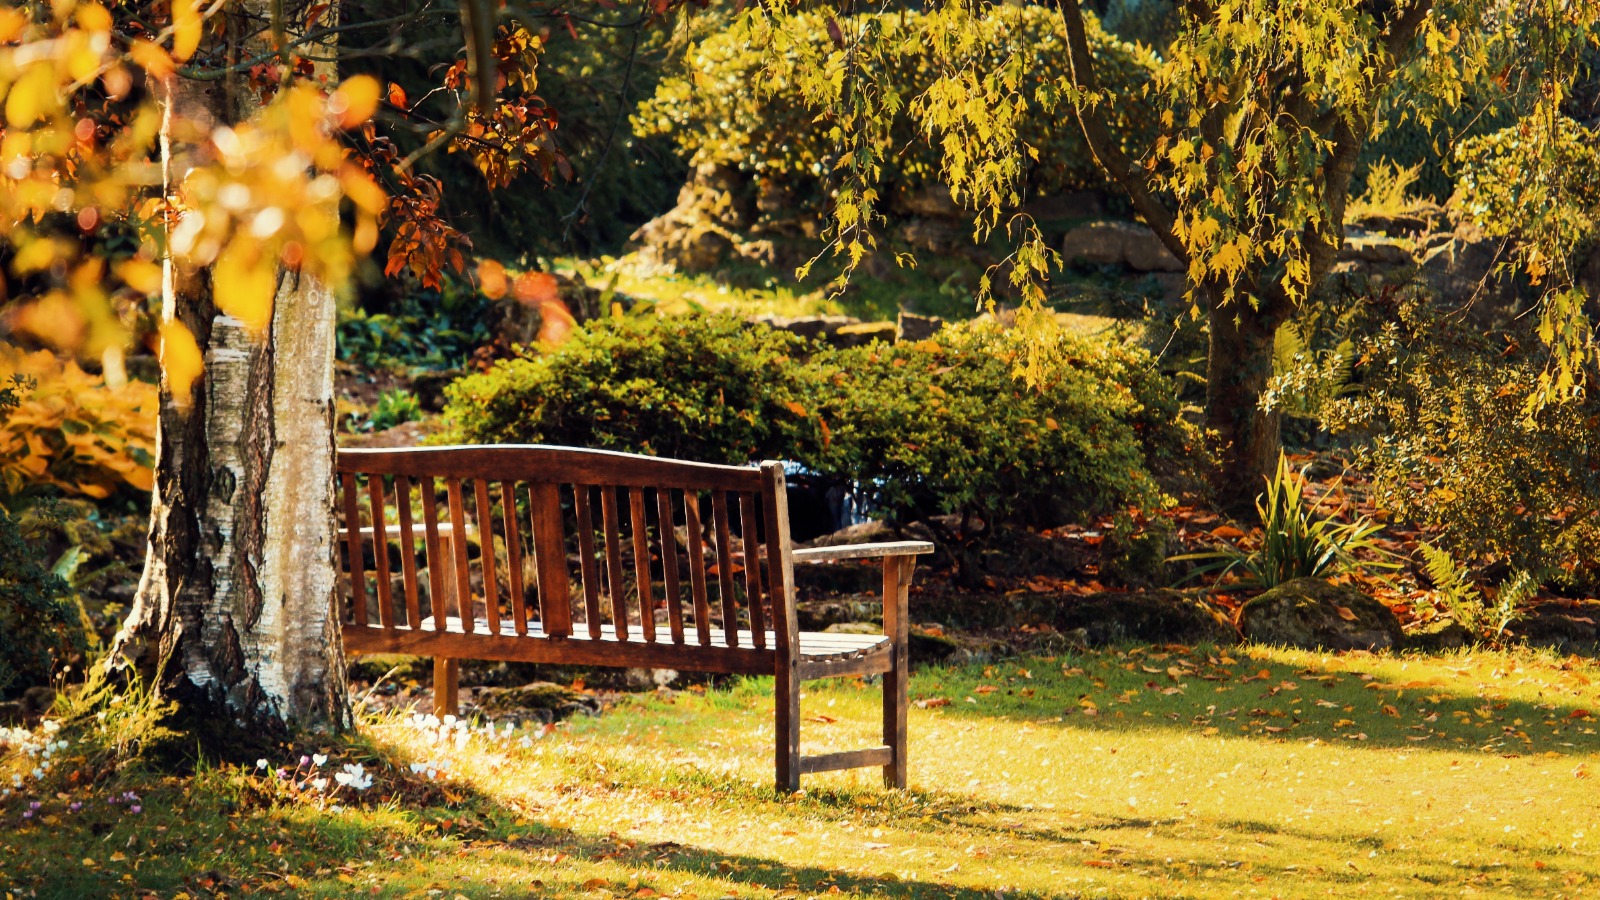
(1129, 175)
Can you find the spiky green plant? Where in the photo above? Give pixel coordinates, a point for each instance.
(1296, 540)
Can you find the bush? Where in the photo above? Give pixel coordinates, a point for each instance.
(1456, 447)
(704, 388)
(71, 431)
(37, 624)
(741, 105)
(938, 427)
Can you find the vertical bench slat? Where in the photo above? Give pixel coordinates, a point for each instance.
(358, 568)
(550, 555)
(458, 531)
(752, 569)
(641, 563)
(408, 550)
(619, 597)
(591, 573)
(730, 612)
(380, 551)
(786, 631)
(430, 536)
(491, 586)
(697, 566)
(508, 514)
(669, 563)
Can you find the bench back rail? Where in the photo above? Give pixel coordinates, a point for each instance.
(569, 544)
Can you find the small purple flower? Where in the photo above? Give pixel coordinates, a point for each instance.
(136, 808)
(304, 760)
(75, 805)
(35, 805)
(27, 814)
(283, 774)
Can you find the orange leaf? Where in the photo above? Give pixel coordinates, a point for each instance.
(397, 95)
(355, 101)
(181, 360)
(1345, 613)
(535, 287)
(492, 279)
(796, 408)
(1227, 532)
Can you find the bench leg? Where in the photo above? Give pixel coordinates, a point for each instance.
(786, 722)
(446, 686)
(896, 592)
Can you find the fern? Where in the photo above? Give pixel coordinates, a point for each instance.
(1466, 604)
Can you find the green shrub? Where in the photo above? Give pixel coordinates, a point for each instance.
(1454, 445)
(938, 427)
(705, 388)
(741, 105)
(421, 328)
(38, 627)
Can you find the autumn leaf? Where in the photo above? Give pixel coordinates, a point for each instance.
(244, 282)
(1345, 613)
(535, 288)
(397, 95)
(796, 408)
(355, 101)
(187, 28)
(492, 279)
(180, 360)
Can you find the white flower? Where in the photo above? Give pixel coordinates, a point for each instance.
(416, 768)
(38, 773)
(261, 763)
(449, 721)
(16, 780)
(319, 783)
(355, 776)
(317, 759)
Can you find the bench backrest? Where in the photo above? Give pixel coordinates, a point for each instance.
(569, 542)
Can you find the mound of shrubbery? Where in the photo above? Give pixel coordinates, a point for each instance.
(941, 426)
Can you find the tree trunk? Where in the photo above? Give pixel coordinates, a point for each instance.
(234, 615)
(1238, 366)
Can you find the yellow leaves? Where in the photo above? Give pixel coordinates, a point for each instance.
(243, 281)
(187, 29)
(93, 17)
(33, 97)
(180, 362)
(149, 56)
(13, 22)
(141, 275)
(355, 101)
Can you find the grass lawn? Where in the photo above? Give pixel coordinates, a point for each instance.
(1150, 772)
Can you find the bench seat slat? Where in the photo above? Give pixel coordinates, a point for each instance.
(813, 644)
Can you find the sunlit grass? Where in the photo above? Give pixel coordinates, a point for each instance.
(1142, 773)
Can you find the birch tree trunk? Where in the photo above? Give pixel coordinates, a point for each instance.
(233, 619)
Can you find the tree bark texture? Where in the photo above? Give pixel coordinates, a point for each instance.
(1238, 367)
(234, 618)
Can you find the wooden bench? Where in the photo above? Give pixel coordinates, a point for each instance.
(596, 558)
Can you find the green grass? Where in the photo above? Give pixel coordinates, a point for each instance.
(1142, 773)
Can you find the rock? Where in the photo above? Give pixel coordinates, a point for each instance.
(823, 615)
(1157, 616)
(862, 333)
(429, 388)
(933, 201)
(1437, 636)
(1462, 266)
(1313, 614)
(1111, 242)
(912, 327)
(1564, 625)
(704, 247)
(37, 700)
(809, 327)
(1375, 249)
(542, 700)
(11, 714)
(1069, 205)
(935, 235)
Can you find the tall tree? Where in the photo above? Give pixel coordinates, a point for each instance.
(1266, 107)
(213, 136)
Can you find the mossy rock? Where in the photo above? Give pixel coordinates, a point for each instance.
(1311, 613)
(542, 700)
(1155, 616)
(1438, 636)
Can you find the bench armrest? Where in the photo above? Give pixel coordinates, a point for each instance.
(862, 551)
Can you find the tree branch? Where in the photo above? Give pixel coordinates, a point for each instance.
(1097, 134)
